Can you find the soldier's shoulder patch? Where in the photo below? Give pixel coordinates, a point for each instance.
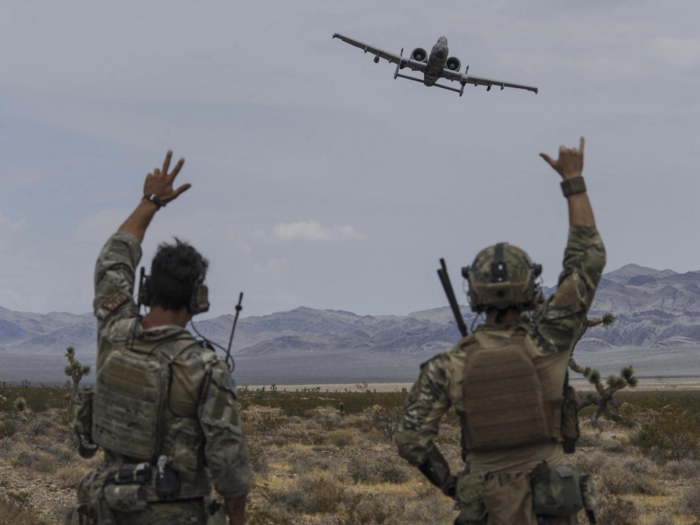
(566, 295)
(115, 300)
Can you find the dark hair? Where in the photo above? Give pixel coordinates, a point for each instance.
(175, 271)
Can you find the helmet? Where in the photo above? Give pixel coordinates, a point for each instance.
(502, 276)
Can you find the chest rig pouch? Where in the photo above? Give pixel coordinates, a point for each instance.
(503, 395)
(131, 393)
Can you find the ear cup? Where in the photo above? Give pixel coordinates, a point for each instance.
(199, 303)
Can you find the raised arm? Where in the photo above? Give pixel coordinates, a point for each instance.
(559, 321)
(157, 192)
(116, 265)
(570, 166)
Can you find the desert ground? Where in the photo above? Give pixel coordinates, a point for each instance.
(325, 455)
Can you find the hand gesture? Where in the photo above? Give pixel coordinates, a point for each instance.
(160, 183)
(570, 161)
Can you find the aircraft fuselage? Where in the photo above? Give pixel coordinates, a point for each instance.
(436, 62)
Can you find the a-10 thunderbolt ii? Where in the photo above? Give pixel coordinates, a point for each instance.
(434, 66)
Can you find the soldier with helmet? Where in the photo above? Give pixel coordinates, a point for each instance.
(164, 407)
(508, 382)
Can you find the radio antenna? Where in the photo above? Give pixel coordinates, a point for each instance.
(239, 307)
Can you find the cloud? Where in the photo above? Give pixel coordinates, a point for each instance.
(683, 53)
(315, 231)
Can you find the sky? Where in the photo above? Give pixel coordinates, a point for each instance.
(317, 179)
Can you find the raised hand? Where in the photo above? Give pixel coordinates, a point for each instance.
(160, 182)
(570, 161)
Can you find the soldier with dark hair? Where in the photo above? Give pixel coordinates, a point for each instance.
(164, 407)
(508, 382)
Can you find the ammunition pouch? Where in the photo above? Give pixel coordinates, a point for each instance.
(470, 500)
(590, 500)
(125, 498)
(570, 431)
(556, 491)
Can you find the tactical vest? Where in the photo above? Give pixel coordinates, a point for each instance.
(503, 394)
(131, 414)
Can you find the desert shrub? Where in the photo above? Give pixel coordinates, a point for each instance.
(20, 404)
(588, 439)
(640, 466)
(40, 427)
(303, 463)
(591, 463)
(689, 502)
(258, 515)
(258, 461)
(68, 477)
(614, 446)
(386, 420)
(383, 470)
(324, 494)
(38, 398)
(277, 441)
(249, 427)
(664, 519)
(341, 438)
(365, 510)
(613, 510)
(18, 514)
(360, 470)
(687, 469)
(672, 433)
(266, 423)
(6, 446)
(7, 429)
(619, 481)
(313, 495)
(389, 471)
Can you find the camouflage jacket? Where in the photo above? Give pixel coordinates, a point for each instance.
(549, 338)
(201, 386)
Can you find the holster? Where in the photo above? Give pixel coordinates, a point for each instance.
(570, 431)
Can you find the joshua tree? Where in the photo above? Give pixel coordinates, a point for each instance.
(604, 397)
(75, 370)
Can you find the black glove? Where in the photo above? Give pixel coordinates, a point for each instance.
(436, 469)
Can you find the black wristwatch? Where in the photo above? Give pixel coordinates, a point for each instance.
(155, 200)
(573, 186)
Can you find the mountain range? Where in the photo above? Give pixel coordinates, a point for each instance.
(657, 328)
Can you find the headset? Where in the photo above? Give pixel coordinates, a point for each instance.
(199, 301)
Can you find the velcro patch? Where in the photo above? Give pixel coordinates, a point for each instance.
(566, 295)
(115, 300)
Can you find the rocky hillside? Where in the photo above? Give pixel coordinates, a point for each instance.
(655, 309)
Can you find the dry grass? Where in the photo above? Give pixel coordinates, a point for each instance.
(317, 465)
(18, 514)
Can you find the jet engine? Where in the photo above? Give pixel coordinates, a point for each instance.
(453, 64)
(419, 55)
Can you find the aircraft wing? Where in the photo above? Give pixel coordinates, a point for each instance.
(478, 81)
(391, 57)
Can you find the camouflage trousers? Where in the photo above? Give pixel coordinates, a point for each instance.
(175, 513)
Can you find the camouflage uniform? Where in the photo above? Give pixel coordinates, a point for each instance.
(548, 340)
(201, 430)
